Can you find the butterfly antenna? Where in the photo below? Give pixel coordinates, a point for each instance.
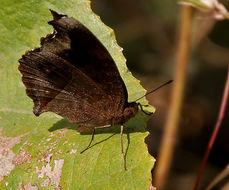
(166, 83)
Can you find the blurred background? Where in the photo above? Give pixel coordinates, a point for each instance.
(148, 32)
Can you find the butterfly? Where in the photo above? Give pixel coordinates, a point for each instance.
(73, 75)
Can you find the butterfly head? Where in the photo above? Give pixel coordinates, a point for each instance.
(130, 110)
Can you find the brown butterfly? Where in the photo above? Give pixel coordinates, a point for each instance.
(73, 75)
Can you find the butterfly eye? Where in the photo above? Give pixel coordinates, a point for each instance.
(130, 112)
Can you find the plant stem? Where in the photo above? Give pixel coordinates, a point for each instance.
(215, 132)
(171, 126)
(222, 175)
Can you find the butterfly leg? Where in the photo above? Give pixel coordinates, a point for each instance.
(88, 146)
(92, 137)
(121, 141)
(143, 110)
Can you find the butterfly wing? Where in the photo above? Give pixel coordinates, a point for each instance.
(93, 58)
(73, 75)
(57, 86)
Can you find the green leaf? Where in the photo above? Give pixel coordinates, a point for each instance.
(44, 152)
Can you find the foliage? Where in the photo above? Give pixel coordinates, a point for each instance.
(48, 156)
